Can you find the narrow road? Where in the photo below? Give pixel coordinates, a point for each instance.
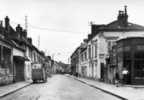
(59, 87)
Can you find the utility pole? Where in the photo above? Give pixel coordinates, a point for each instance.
(39, 42)
(26, 23)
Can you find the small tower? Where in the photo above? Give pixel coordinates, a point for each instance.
(123, 17)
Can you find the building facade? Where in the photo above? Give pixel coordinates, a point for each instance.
(17, 54)
(75, 57)
(6, 62)
(100, 42)
(130, 57)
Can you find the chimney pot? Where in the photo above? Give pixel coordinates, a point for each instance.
(19, 28)
(30, 40)
(7, 22)
(123, 17)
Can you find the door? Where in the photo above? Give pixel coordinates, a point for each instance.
(102, 71)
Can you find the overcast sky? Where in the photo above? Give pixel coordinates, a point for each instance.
(63, 24)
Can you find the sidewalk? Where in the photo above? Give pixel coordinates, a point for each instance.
(7, 89)
(126, 92)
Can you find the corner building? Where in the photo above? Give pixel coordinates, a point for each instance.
(100, 42)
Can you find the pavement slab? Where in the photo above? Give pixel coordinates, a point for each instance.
(8, 89)
(128, 92)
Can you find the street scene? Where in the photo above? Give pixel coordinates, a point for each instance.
(71, 50)
(59, 87)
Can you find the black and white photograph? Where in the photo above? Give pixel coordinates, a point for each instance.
(71, 50)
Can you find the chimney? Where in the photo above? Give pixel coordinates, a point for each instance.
(85, 40)
(89, 36)
(25, 33)
(120, 15)
(1, 23)
(6, 22)
(123, 17)
(19, 28)
(49, 57)
(125, 9)
(30, 40)
(126, 16)
(19, 31)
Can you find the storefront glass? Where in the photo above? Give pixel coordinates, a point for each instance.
(139, 65)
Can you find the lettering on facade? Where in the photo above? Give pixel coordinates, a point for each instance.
(101, 56)
(140, 47)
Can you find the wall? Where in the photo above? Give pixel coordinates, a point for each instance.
(6, 68)
(28, 66)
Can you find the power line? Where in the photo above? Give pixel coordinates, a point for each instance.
(53, 29)
(46, 28)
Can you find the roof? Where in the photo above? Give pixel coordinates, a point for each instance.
(129, 38)
(6, 41)
(38, 51)
(76, 51)
(119, 25)
(115, 26)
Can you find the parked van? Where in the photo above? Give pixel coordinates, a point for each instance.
(39, 72)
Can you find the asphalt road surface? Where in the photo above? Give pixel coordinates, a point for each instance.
(59, 87)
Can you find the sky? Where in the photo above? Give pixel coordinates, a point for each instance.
(61, 25)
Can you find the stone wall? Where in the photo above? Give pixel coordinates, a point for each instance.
(5, 76)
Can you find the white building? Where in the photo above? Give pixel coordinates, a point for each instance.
(102, 38)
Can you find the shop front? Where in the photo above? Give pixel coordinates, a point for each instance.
(130, 60)
(6, 68)
(18, 63)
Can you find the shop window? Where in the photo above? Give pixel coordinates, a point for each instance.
(139, 55)
(127, 55)
(127, 65)
(139, 68)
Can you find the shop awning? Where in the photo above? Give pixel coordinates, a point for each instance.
(21, 58)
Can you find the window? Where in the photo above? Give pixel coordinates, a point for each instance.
(0, 55)
(92, 51)
(89, 51)
(111, 44)
(81, 57)
(95, 50)
(139, 69)
(6, 63)
(85, 55)
(139, 62)
(139, 54)
(127, 55)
